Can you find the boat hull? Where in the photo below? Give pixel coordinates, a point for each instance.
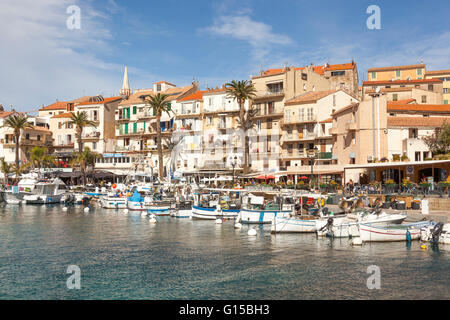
(182, 213)
(213, 214)
(249, 216)
(293, 225)
(114, 203)
(372, 233)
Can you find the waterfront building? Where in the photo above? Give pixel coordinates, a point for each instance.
(395, 73)
(306, 127)
(273, 88)
(443, 75)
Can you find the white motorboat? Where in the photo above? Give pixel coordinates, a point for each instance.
(212, 206)
(258, 210)
(439, 233)
(16, 193)
(183, 209)
(348, 226)
(402, 232)
(46, 192)
(113, 202)
(294, 224)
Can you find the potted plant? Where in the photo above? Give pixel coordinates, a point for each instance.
(390, 185)
(405, 158)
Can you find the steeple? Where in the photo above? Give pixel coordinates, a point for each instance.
(125, 91)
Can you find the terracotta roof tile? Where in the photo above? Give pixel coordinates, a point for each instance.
(63, 115)
(410, 122)
(400, 102)
(6, 114)
(413, 66)
(349, 107)
(437, 72)
(107, 100)
(193, 96)
(412, 81)
(174, 93)
(309, 97)
(425, 108)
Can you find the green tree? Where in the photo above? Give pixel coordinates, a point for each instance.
(6, 169)
(84, 160)
(242, 91)
(80, 119)
(159, 103)
(40, 158)
(439, 141)
(17, 122)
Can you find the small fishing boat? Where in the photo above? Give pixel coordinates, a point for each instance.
(46, 192)
(161, 208)
(263, 209)
(348, 226)
(403, 232)
(183, 209)
(294, 224)
(136, 202)
(113, 202)
(15, 194)
(213, 206)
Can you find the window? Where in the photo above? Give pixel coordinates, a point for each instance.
(413, 133)
(270, 107)
(304, 76)
(374, 75)
(288, 115)
(310, 114)
(424, 99)
(158, 87)
(94, 145)
(301, 115)
(395, 97)
(419, 72)
(445, 101)
(27, 136)
(269, 123)
(95, 115)
(445, 90)
(258, 125)
(275, 87)
(430, 87)
(337, 73)
(398, 73)
(209, 121)
(210, 101)
(38, 138)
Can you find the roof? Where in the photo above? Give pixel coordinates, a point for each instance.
(413, 66)
(399, 89)
(62, 105)
(216, 90)
(370, 83)
(349, 107)
(400, 102)
(6, 114)
(329, 120)
(173, 93)
(409, 122)
(394, 164)
(63, 115)
(437, 72)
(309, 97)
(342, 66)
(107, 100)
(193, 96)
(438, 108)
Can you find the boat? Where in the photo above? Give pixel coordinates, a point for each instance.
(348, 226)
(438, 233)
(213, 206)
(15, 194)
(46, 192)
(369, 232)
(263, 209)
(136, 202)
(183, 209)
(113, 202)
(294, 224)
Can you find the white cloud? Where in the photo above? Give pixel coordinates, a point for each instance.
(43, 60)
(259, 35)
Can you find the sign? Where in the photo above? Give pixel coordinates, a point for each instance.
(410, 170)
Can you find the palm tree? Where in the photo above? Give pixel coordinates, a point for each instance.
(80, 119)
(40, 157)
(83, 160)
(159, 103)
(5, 168)
(242, 91)
(17, 122)
(18, 170)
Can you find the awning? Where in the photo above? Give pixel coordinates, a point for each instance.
(264, 177)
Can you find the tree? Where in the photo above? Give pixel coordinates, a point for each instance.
(6, 169)
(18, 170)
(80, 119)
(40, 158)
(83, 160)
(242, 91)
(439, 141)
(17, 122)
(159, 103)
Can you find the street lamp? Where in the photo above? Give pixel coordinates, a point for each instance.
(312, 154)
(233, 164)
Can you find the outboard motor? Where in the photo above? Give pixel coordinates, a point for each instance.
(436, 232)
(328, 226)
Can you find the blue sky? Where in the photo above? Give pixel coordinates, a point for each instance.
(211, 41)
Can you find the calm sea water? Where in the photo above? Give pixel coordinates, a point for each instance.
(125, 257)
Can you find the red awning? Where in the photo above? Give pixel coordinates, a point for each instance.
(264, 177)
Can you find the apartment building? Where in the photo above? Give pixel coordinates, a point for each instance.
(395, 73)
(306, 126)
(273, 88)
(443, 75)
(342, 76)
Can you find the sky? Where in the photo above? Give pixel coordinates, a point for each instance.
(214, 42)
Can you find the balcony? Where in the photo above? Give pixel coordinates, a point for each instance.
(351, 126)
(333, 131)
(91, 136)
(64, 145)
(291, 121)
(325, 155)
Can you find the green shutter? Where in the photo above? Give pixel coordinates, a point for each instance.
(128, 113)
(134, 109)
(169, 106)
(126, 128)
(124, 113)
(135, 127)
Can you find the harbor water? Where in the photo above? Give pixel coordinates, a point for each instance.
(123, 256)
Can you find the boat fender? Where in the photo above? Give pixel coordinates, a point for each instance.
(408, 236)
(252, 232)
(423, 247)
(86, 209)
